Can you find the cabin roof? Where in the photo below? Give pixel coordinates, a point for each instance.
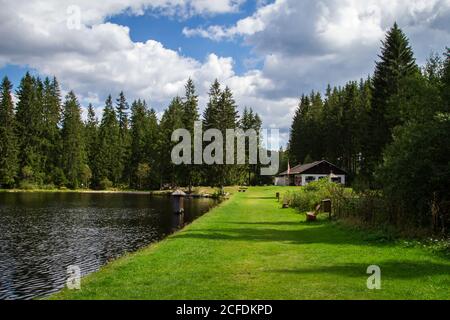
(309, 168)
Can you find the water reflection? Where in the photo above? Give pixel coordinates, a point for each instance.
(42, 233)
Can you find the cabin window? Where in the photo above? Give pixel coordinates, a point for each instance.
(310, 179)
(337, 180)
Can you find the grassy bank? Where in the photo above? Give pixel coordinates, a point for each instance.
(250, 248)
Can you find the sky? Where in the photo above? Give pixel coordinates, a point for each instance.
(267, 52)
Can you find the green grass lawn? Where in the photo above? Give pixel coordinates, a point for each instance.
(250, 248)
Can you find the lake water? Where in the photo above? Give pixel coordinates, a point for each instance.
(41, 234)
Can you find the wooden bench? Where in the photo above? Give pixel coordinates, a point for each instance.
(243, 189)
(312, 216)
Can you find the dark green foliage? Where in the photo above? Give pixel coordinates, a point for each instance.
(91, 136)
(221, 114)
(108, 160)
(30, 128)
(172, 120)
(124, 138)
(144, 146)
(333, 128)
(416, 169)
(51, 139)
(396, 63)
(8, 141)
(73, 149)
(251, 121)
(389, 133)
(445, 82)
(190, 115)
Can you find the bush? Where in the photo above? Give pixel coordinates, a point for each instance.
(311, 195)
(105, 184)
(26, 185)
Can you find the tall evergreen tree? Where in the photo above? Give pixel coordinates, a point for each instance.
(51, 132)
(8, 141)
(445, 88)
(171, 120)
(396, 62)
(124, 137)
(228, 118)
(107, 163)
(144, 145)
(73, 155)
(29, 122)
(190, 115)
(251, 121)
(91, 136)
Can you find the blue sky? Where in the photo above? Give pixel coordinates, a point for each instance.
(267, 52)
(169, 31)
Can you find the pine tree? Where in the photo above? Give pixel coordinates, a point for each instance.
(228, 118)
(73, 155)
(107, 166)
(152, 142)
(91, 136)
(211, 116)
(144, 130)
(124, 137)
(445, 89)
(172, 120)
(51, 133)
(190, 115)
(251, 121)
(396, 63)
(8, 141)
(29, 122)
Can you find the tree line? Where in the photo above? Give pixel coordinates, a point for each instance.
(44, 142)
(389, 131)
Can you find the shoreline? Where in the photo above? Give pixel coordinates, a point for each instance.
(206, 192)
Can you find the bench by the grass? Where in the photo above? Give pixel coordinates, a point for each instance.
(312, 216)
(243, 189)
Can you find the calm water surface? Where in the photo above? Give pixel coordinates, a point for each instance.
(41, 234)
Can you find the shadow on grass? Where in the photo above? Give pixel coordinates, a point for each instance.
(262, 198)
(307, 233)
(392, 269)
(284, 223)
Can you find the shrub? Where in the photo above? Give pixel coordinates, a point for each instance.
(105, 184)
(27, 185)
(308, 197)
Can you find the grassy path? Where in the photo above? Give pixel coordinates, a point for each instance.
(249, 248)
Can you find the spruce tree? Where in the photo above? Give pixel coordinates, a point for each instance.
(124, 137)
(396, 63)
(151, 148)
(51, 133)
(73, 149)
(172, 120)
(8, 141)
(29, 122)
(91, 136)
(445, 89)
(190, 115)
(107, 166)
(139, 142)
(228, 118)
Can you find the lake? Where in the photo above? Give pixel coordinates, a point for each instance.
(41, 234)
